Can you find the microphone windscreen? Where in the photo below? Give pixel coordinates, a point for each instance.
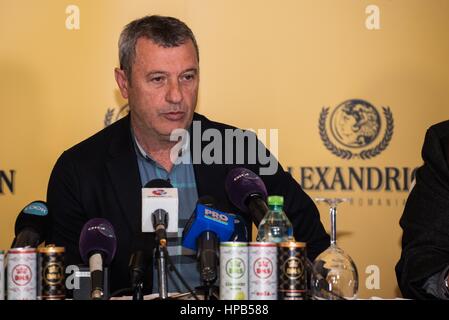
(32, 216)
(98, 235)
(240, 184)
(142, 252)
(158, 183)
(208, 201)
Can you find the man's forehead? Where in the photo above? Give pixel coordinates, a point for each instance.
(148, 49)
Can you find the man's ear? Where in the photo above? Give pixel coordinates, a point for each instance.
(122, 82)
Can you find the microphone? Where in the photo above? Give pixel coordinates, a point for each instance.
(158, 183)
(31, 225)
(160, 223)
(240, 230)
(159, 217)
(207, 228)
(160, 209)
(159, 202)
(247, 192)
(140, 263)
(97, 245)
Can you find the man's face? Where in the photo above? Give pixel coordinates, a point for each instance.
(163, 88)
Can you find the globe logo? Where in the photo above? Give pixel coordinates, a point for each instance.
(355, 123)
(356, 129)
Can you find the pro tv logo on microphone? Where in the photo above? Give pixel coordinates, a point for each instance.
(356, 129)
(215, 216)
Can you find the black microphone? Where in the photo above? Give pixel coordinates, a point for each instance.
(208, 248)
(31, 225)
(140, 263)
(205, 229)
(159, 220)
(160, 217)
(247, 192)
(158, 183)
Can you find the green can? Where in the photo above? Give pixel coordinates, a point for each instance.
(233, 271)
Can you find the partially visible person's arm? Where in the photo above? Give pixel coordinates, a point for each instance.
(425, 222)
(65, 210)
(437, 285)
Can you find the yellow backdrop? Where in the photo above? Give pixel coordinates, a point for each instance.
(264, 64)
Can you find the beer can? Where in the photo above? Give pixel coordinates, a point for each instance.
(51, 273)
(233, 271)
(292, 283)
(263, 271)
(2, 275)
(21, 274)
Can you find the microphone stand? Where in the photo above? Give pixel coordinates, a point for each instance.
(162, 271)
(209, 290)
(138, 292)
(160, 221)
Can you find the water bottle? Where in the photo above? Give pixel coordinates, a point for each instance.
(275, 226)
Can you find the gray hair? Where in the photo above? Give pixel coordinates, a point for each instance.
(165, 31)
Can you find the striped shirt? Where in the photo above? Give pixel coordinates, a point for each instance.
(182, 176)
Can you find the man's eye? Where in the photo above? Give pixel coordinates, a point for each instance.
(157, 79)
(188, 77)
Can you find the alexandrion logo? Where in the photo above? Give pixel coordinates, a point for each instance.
(109, 117)
(356, 129)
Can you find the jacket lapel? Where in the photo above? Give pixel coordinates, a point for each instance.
(124, 173)
(445, 143)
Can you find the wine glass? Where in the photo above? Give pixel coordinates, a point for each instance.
(334, 274)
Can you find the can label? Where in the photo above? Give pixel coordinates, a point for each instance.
(21, 275)
(233, 271)
(263, 276)
(51, 273)
(292, 271)
(2, 275)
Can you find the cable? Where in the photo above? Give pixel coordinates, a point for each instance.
(121, 291)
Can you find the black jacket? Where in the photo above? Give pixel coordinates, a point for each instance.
(425, 221)
(100, 178)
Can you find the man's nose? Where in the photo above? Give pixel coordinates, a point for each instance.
(174, 94)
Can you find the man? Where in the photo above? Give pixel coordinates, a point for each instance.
(422, 271)
(103, 175)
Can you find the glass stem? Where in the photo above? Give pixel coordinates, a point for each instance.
(333, 225)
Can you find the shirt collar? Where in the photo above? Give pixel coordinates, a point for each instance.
(184, 152)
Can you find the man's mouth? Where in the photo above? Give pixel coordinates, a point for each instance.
(174, 116)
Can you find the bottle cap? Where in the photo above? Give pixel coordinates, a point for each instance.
(275, 200)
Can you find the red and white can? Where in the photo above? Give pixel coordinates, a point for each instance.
(2, 275)
(21, 274)
(263, 271)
